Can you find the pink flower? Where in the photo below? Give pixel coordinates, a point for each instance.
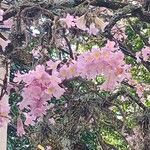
(29, 119)
(8, 23)
(67, 72)
(69, 20)
(119, 31)
(39, 71)
(139, 90)
(38, 74)
(18, 77)
(52, 65)
(110, 46)
(29, 92)
(93, 30)
(36, 52)
(20, 128)
(39, 88)
(52, 121)
(27, 78)
(96, 53)
(104, 62)
(138, 54)
(4, 43)
(110, 83)
(54, 78)
(55, 90)
(38, 109)
(146, 53)
(107, 62)
(63, 72)
(48, 148)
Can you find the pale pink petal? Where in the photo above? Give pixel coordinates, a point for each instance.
(139, 90)
(69, 20)
(93, 30)
(48, 148)
(52, 65)
(4, 43)
(8, 23)
(30, 119)
(52, 121)
(138, 55)
(146, 53)
(20, 128)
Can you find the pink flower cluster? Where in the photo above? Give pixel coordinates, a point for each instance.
(80, 23)
(39, 88)
(145, 53)
(106, 61)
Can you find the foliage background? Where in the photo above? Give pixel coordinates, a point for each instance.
(114, 126)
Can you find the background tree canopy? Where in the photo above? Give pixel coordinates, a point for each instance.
(79, 74)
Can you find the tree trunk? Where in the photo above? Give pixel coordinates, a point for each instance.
(3, 130)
